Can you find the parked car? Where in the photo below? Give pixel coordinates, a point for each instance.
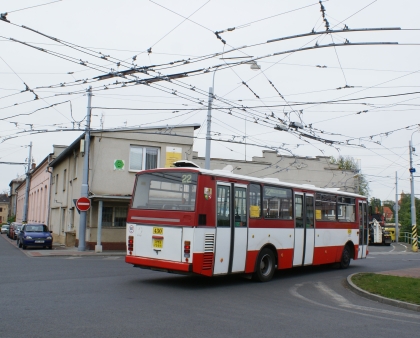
(18, 227)
(12, 227)
(5, 228)
(34, 235)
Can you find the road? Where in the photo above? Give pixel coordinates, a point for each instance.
(105, 297)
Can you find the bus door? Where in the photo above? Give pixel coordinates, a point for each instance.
(304, 229)
(363, 229)
(231, 228)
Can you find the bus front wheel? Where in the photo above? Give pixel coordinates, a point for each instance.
(265, 266)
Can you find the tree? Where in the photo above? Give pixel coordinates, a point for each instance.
(349, 163)
(376, 205)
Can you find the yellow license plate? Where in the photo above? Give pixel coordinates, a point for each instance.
(158, 243)
(157, 231)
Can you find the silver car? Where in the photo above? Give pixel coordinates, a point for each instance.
(17, 230)
(5, 228)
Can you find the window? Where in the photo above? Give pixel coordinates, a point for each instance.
(1, 209)
(64, 179)
(143, 158)
(75, 165)
(56, 183)
(223, 206)
(166, 191)
(115, 216)
(277, 203)
(254, 201)
(346, 209)
(240, 207)
(325, 207)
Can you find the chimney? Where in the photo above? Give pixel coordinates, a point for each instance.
(33, 166)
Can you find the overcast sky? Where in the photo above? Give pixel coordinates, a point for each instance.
(353, 95)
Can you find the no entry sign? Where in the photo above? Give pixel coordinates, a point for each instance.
(83, 204)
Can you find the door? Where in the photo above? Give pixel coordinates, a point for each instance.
(303, 252)
(363, 229)
(231, 228)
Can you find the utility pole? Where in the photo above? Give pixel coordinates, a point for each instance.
(208, 136)
(413, 205)
(397, 230)
(28, 182)
(85, 177)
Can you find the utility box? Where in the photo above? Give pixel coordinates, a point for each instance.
(70, 238)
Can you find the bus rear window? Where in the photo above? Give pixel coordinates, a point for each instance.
(165, 191)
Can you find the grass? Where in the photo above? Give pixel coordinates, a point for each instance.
(405, 289)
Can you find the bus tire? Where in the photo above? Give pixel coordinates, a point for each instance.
(265, 266)
(345, 258)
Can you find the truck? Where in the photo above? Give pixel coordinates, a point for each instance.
(378, 234)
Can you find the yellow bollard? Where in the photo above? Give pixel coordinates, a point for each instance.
(414, 237)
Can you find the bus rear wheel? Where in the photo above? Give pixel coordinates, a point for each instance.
(265, 266)
(345, 258)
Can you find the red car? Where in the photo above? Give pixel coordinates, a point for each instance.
(11, 234)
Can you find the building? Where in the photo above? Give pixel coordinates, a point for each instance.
(317, 171)
(115, 157)
(4, 208)
(12, 194)
(39, 191)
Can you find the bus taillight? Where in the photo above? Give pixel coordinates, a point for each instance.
(130, 244)
(187, 249)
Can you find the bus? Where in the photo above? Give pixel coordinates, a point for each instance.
(190, 220)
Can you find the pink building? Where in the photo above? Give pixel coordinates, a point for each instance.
(39, 192)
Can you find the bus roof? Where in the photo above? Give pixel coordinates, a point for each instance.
(228, 174)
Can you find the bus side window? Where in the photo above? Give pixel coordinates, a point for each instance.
(254, 201)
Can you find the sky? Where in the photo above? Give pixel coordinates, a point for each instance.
(353, 88)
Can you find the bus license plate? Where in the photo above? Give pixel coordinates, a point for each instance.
(157, 231)
(157, 243)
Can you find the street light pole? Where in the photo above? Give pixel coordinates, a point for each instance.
(85, 177)
(397, 230)
(254, 66)
(27, 188)
(413, 205)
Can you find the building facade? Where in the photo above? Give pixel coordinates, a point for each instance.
(4, 208)
(13, 196)
(39, 191)
(114, 159)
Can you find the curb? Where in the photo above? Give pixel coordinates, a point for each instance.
(65, 253)
(380, 299)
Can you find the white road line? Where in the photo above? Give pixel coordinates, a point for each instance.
(340, 300)
(346, 306)
(73, 257)
(112, 258)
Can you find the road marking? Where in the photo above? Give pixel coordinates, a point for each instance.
(73, 257)
(393, 247)
(345, 305)
(112, 258)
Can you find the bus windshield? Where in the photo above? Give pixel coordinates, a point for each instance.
(165, 191)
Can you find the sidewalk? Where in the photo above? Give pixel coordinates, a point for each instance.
(413, 273)
(61, 250)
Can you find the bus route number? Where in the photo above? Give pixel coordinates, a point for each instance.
(157, 231)
(186, 179)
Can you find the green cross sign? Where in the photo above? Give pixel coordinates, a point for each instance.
(119, 165)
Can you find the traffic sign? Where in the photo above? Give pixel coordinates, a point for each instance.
(83, 204)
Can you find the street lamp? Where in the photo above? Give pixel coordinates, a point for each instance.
(254, 66)
(413, 205)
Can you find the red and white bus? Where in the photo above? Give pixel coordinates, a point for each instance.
(213, 222)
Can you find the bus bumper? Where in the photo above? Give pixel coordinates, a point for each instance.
(158, 264)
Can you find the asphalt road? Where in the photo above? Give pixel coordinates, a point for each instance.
(105, 297)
